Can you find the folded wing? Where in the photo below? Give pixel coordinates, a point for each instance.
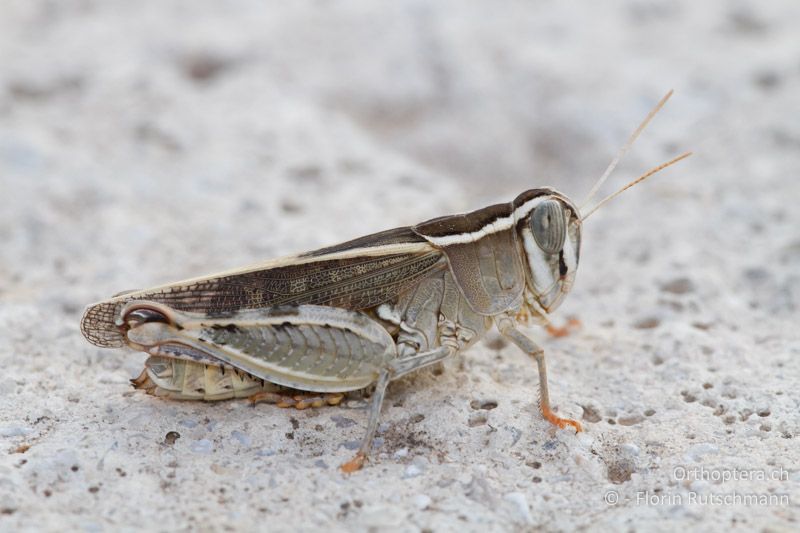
(354, 276)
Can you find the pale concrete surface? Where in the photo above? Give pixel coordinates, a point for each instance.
(151, 141)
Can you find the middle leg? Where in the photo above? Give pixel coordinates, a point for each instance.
(396, 369)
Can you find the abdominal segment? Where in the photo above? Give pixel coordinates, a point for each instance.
(179, 379)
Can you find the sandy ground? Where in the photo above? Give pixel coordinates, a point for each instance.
(152, 141)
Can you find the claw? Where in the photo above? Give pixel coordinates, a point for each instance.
(354, 464)
(571, 325)
(562, 423)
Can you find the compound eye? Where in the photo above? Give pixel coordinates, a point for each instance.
(548, 226)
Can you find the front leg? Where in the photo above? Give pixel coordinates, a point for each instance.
(509, 330)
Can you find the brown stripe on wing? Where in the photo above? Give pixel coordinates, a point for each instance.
(350, 283)
(402, 235)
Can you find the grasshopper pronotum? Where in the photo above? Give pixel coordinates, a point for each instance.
(361, 313)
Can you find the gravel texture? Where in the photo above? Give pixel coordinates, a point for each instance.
(151, 141)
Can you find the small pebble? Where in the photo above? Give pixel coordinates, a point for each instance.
(412, 471)
(483, 404)
(647, 323)
(678, 286)
(701, 449)
(417, 467)
(402, 452)
(381, 518)
(342, 421)
(7, 386)
(520, 503)
(203, 446)
(171, 437)
(630, 420)
(91, 527)
(477, 419)
(551, 444)
(422, 501)
(242, 438)
(12, 431)
(591, 413)
(630, 449)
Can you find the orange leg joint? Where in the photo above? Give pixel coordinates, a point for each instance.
(571, 325)
(562, 423)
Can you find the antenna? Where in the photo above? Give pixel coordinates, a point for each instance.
(640, 179)
(625, 147)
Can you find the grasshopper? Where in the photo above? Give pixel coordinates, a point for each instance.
(361, 313)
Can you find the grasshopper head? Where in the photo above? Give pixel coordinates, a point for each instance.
(549, 227)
